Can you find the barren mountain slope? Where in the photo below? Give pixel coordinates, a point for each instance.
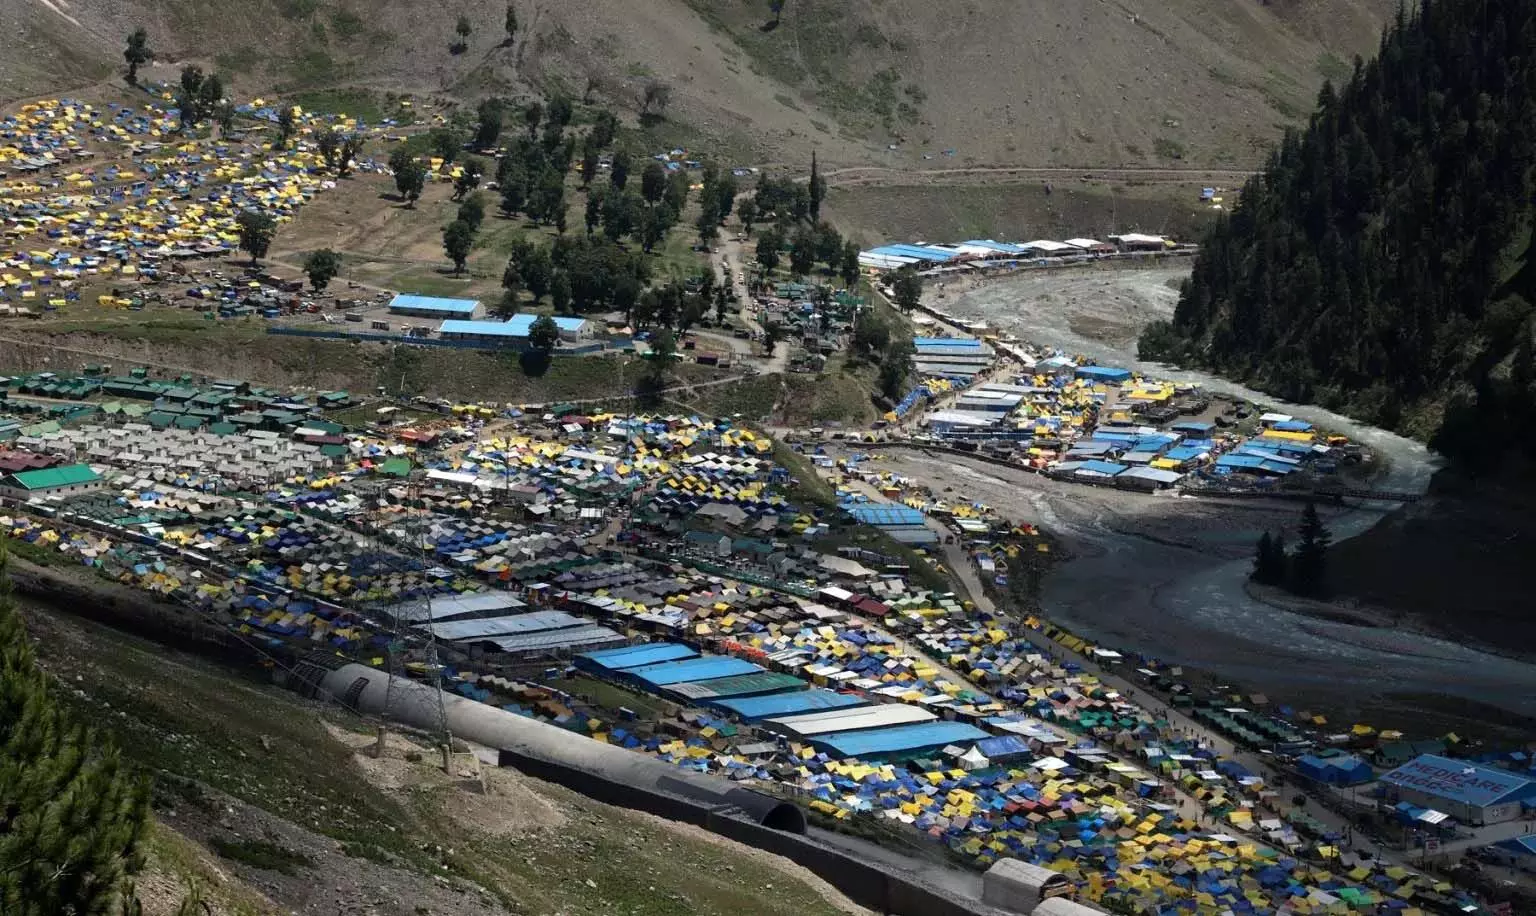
(1106, 82)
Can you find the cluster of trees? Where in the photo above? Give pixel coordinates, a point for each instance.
(577, 273)
(1304, 570)
(809, 245)
(888, 347)
(200, 97)
(339, 150)
(530, 177)
(72, 811)
(1381, 262)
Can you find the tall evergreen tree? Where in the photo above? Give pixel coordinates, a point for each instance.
(71, 811)
(817, 188)
(1309, 566)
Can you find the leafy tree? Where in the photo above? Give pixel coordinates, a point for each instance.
(816, 189)
(1309, 564)
(619, 215)
(550, 198)
(746, 211)
(721, 195)
(328, 142)
(468, 178)
(708, 225)
(73, 811)
(322, 267)
(618, 171)
(605, 127)
(532, 115)
(849, 265)
(722, 302)
(458, 239)
(256, 230)
(510, 25)
(508, 304)
(560, 292)
(594, 210)
(544, 334)
(871, 337)
(678, 187)
(488, 120)
(189, 98)
(655, 98)
(210, 95)
(513, 188)
(560, 111)
(463, 28)
(769, 244)
(538, 273)
(350, 147)
(777, 8)
(590, 158)
(411, 180)
(137, 53)
(224, 115)
(446, 143)
(908, 288)
(653, 227)
(773, 332)
(829, 245)
(472, 211)
(287, 126)
(653, 182)
(802, 253)
(895, 367)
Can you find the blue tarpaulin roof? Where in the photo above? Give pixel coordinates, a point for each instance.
(1095, 466)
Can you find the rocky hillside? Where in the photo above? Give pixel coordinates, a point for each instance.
(1116, 82)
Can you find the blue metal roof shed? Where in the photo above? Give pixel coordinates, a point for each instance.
(693, 669)
(782, 704)
(901, 739)
(634, 656)
(1103, 373)
(1106, 468)
(1194, 429)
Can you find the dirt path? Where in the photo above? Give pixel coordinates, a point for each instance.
(854, 176)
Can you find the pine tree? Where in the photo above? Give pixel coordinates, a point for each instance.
(71, 811)
(1309, 566)
(817, 188)
(1262, 556)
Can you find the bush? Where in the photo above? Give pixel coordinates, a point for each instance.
(262, 854)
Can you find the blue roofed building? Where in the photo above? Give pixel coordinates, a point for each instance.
(899, 741)
(1342, 770)
(514, 331)
(433, 307)
(1469, 792)
(750, 709)
(705, 668)
(1107, 374)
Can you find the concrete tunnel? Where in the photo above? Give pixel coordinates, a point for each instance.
(415, 704)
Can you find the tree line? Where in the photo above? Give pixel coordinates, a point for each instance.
(1380, 263)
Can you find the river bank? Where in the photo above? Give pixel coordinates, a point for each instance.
(1169, 576)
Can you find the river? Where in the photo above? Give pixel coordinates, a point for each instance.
(1190, 606)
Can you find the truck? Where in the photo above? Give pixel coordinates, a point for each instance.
(379, 325)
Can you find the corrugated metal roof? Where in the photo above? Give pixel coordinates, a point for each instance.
(738, 686)
(850, 720)
(754, 708)
(501, 626)
(64, 476)
(638, 656)
(902, 738)
(434, 304)
(693, 669)
(550, 640)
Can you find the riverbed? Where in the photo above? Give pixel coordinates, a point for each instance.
(1165, 575)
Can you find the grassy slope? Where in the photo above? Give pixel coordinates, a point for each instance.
(188, 720)
(225, 349)
(1029, 83)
